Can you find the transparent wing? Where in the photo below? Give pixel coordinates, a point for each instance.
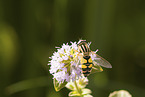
(96, 68)
(102, 62)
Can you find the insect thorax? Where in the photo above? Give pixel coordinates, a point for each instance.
(84, 48)
(86, 57)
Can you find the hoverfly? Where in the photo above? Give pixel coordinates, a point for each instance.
(87, 64)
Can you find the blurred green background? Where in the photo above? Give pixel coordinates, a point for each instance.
(30, 30)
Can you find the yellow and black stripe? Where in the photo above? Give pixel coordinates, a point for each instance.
(86, 60)
(86, 65)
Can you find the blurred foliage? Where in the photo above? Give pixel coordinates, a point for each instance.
(120, 93)
(30, 30)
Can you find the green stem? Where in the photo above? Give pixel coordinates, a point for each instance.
(78, 90)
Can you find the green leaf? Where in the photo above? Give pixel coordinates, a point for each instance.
(82, 82)
(74, 93)
(70, 85)
(88, 95)
(86, 91)
(58, 86)
(121, 93)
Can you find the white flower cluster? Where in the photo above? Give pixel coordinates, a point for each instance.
(64, 63)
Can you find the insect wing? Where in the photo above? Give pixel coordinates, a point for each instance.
(102, 62)
(96, 68)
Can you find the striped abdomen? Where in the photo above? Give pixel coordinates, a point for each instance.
(86, 65)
